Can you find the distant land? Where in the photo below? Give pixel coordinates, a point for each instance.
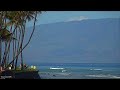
(85, 41)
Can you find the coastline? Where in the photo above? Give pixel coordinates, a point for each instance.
(8, 74)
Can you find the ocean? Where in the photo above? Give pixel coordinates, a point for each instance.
(78, 70)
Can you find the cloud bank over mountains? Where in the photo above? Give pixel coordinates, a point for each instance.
(80, 18)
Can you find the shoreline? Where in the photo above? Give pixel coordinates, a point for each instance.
(8, 74)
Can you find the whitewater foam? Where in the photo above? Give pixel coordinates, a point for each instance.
(103, 76)
(96, 69)
(56, 68)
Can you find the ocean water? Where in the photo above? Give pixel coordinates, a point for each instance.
(79, 70)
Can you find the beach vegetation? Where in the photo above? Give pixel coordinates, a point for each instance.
(12, 37)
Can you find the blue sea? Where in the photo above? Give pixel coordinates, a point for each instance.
(78, 70)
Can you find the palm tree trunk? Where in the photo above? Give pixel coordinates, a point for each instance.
(19, 41)
(1, 15)
(13, 53)
(21, 60)
(23, 34)
(0, 51)
(8, 56)
(4, 59)
(16, 50)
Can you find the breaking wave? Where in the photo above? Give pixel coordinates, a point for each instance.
(104, 76)
(56, 68)
(96, 69)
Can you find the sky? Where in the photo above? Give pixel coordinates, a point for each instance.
(63, 16)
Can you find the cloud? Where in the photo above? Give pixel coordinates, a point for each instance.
(80, 18)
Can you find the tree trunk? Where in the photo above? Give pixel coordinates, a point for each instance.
(4, 59)
(21, 46)
(16, 50)
(0, 51)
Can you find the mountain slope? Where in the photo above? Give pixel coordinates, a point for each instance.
(92, 40)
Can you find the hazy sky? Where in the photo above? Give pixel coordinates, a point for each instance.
(60, 16)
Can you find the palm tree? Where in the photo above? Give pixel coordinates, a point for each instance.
(16, 22)
(19, 19)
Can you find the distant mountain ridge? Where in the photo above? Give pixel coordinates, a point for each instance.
(77, 21)
(90, 40)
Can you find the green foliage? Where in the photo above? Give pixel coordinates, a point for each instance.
(5, 35)
(18, 70)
